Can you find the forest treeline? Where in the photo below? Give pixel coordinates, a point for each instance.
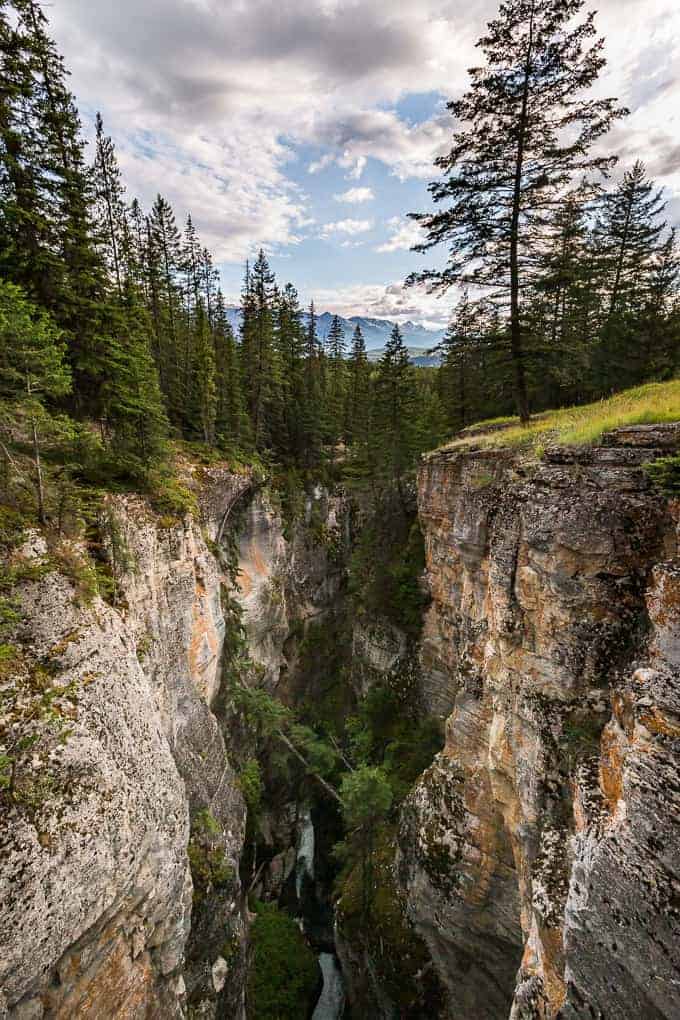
(568, 270)
(116, 337)
(115, 331)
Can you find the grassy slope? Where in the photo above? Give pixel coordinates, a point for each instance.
(581, 426)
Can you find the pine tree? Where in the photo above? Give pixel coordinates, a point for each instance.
(204, 387)
(358, 392)
(110, 194)
(29, 214)
(48, 239)
(630, 232)
(164, 260)
(209, 283)
(290, 345)
(394, 413)
(457, 348)
(231, 419)
(312, 411)
(563, 304)
(135, 418)
(336, 380)
(526, 132)
(33, 370)
(628, 240)
(261, 368)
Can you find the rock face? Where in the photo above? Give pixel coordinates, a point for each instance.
(287, 579)
(540, 854)
(94, 865)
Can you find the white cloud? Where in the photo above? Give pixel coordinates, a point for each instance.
(348, 226)
(356, 165)
(404, 235)
(388, 301)
(320, 164)
(354, 196)
(209, 100)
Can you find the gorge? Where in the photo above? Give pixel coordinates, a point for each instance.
(532, 869)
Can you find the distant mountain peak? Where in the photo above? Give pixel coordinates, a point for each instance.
(376, 331)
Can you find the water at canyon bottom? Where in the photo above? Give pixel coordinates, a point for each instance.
(331, 1003)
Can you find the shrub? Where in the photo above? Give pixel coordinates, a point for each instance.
(283, 975)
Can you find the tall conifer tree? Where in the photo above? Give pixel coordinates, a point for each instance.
(527, 128)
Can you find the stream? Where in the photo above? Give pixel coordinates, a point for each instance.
(317, 924)
(331, 1004)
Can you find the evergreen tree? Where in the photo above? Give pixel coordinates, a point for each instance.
(359, 389)
(260, 364)
(135, 419)
(628, 240)
(394, 412)
(630, 232)
(110, 195)
(562, 313)
(33, 370)
(231, 420)
(290, 345)
(204, 402)
(312, 412)
(526, 131)
(163, 252)
(336, 380)
(457, 349)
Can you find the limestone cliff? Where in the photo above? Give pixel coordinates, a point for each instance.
(110, 809)
(540, 854)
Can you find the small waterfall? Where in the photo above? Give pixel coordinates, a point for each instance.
(331, 1004)
(305, 854)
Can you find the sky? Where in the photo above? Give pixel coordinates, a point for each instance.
(309, 127)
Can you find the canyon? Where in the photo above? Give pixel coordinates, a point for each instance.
(534, 872)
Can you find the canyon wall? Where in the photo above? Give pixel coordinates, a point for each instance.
(109, 810)
(540, 854)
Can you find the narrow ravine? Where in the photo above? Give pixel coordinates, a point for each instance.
(316, 920)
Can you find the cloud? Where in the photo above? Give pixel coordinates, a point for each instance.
(215, 101)
(408, 150)
(404, 235)
(348, 226)
(354, 196)
(221, 94)
(388, 301)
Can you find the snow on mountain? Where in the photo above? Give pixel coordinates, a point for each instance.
(376, 332)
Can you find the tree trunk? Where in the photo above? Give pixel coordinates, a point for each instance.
(619, 260)
(516, 350)
(38, 474)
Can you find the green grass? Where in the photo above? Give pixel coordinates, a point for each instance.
(584, 426)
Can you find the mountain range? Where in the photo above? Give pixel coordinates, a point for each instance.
(417, 338)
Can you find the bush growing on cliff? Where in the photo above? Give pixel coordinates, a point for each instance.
(283, 975)
(386, 566)
(666, 473)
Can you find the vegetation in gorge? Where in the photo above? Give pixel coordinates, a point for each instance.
(210, 870)
(283, 976)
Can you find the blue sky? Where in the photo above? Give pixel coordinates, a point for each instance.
(309, 127)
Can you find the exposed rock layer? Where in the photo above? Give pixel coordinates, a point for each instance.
(95, 878)
(541, 853)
